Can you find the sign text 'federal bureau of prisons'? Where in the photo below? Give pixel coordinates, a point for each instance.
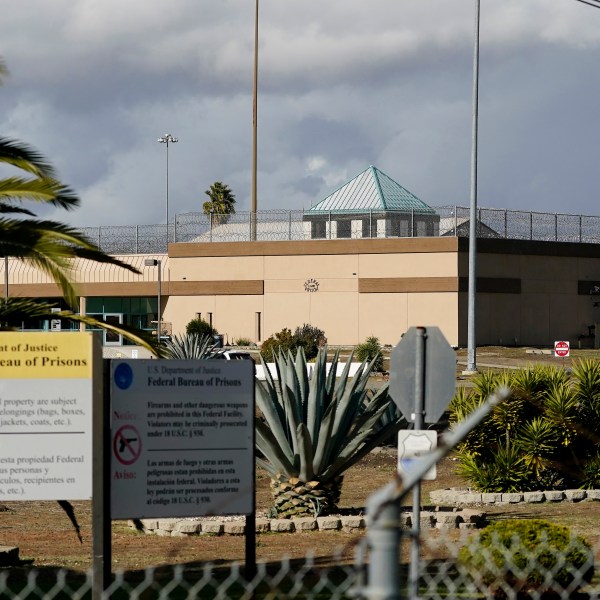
(182, 438)
(47, 389)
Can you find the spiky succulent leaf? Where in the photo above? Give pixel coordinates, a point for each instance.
(275, 420)
(305, 453)
(191, 346)
(325, 425)
(281, 457)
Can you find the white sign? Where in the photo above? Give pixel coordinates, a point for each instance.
(414, 444)
(562, 349)
(47, 389)
(182, 438)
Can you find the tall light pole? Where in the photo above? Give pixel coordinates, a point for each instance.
(472, 293)
(254, 129)
(153, 262)
(166, 139)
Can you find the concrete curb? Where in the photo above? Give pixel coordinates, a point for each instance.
(465, 497)
(436, 518)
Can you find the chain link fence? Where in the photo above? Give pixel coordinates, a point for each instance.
(442, 574)
(279, 225)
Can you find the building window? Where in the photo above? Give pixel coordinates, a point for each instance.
(258, 327)
(317, 230)
(344, 229)
(398, 227)
(369, 228)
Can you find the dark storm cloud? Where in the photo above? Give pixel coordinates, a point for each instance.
(342, 84)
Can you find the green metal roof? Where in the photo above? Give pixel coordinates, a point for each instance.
(371, 190)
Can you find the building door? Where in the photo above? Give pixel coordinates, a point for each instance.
(110, 337)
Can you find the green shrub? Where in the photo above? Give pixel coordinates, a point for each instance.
(278, 342)
(307, 337)
(527, 556)
(242, 341)
(200, 327)
(541, 438)
(311, 339)
(371, 349)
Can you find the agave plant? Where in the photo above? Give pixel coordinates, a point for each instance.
(313, 428)
(190, 346)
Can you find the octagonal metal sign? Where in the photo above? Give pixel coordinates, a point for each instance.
(439, 374)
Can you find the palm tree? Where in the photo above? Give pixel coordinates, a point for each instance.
(222, 201)
(49, 245)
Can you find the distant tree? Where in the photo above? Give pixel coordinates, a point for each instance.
(222, 200)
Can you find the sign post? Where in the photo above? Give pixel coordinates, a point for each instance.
(422, 382)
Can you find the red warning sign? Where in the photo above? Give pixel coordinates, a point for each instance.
(561, 349)
(127, 444)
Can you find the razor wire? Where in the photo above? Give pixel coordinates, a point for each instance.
(300, 225)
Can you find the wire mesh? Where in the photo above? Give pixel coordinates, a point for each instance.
(503, 570)
(282, 225)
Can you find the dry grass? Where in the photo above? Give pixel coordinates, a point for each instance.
(45, 537)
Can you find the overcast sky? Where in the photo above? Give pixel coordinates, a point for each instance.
(343, 84)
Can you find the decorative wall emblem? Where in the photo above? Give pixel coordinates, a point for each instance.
(311, 285)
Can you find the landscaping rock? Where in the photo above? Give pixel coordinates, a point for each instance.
(575, 495)
(352, 523)
(469, 515)
(554, 496)
(187, 528)
(427, 520)
(212, 527)
(491, 498)
(282, 525)
(305, 524)
(471, 498)
(512, 498)
(166, 524)
(534, 497)
(447, 520)
(262, 525)
(328, 523)
(234, 528)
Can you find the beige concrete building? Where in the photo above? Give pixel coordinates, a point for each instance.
(529, 293)
(371, 259)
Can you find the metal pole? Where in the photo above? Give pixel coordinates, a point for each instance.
(254, 127)
(383, 535)
(471, 338)
(101, 521)
(165, 139)
(167, 196)
(419, 420)
(159, 319)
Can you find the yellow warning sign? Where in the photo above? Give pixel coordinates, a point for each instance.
(66, 355)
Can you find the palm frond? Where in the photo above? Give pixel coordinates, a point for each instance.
(22, 156)
(42, 189)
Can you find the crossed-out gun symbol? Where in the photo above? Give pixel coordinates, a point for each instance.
(123, 441)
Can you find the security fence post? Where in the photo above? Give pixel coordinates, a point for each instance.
(383, 539)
